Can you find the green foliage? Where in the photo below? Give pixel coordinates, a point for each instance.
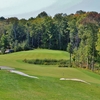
(18, 47)
(70, 48)
(98, 44)
(42, 14)
(3, 50)
(25, 45)
(4, 41)
(80, 29)
(61, 63)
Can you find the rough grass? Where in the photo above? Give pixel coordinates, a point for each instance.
(48, 86)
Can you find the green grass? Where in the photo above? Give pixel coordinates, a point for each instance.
(48, 86)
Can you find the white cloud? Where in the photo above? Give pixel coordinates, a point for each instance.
(11, 7)
(7, 3)
(30, 8)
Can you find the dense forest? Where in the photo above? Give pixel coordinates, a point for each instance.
(78, 33)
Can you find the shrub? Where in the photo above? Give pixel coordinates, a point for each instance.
(0, 53)
(17, 48)
(61, 63)
(25, 45)
(3, 50)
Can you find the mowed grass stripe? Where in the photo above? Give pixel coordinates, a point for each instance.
(15, 60)
(48, 86)
(38, 54)
(16, 87)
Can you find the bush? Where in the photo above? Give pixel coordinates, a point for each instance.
(0, 53)
(25, 45)
(63, 65)
(3, 50)
(61, 62)
(17, 48)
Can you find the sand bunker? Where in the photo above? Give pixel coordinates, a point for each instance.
(6, 68)
(23, 74)
(17, 72)
(74, 79)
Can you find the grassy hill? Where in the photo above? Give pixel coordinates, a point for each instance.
(48, 86)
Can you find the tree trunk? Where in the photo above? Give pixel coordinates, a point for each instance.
(92, 64)
(70, 60)
(87, 62)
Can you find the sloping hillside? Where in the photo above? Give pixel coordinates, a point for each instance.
(48, 86)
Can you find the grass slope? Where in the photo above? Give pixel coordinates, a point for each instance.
(48, 86)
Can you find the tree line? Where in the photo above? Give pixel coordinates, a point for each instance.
(77, 33)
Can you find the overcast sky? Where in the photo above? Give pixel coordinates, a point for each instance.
(31, 8)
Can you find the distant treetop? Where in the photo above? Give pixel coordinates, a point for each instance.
(42, 14)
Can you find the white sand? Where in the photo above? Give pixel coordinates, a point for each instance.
(17, 72)
(74, 79)
(6, 68)
(23, 74)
